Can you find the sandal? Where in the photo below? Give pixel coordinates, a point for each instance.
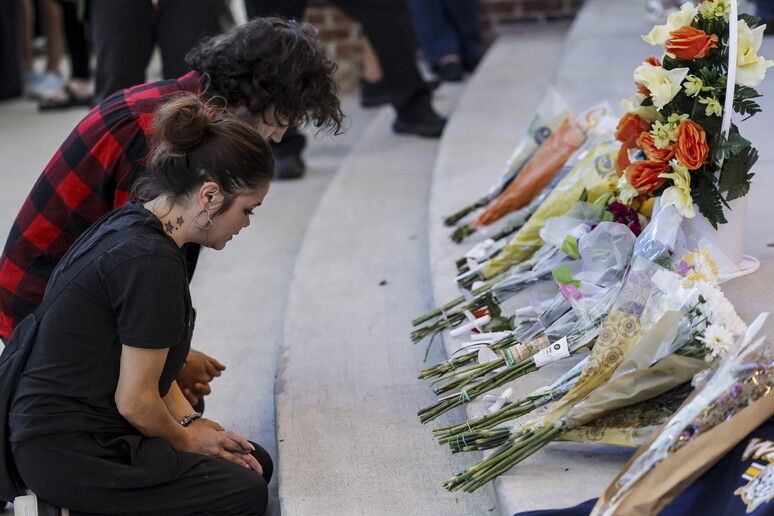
(66, 99)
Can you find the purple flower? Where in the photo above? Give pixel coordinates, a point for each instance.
(626, 216)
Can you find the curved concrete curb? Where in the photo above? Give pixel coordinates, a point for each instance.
(346, 394)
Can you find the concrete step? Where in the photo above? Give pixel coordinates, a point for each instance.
(346, 393)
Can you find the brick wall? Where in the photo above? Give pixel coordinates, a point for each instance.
(344, 37)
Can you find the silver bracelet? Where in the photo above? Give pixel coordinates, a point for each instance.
(187, 420)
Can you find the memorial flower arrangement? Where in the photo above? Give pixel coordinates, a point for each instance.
(744, 375)
(674, 143)
(643, 351)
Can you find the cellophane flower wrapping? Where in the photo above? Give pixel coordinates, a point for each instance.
(741, 378)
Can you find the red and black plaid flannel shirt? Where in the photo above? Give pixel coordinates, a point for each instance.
(89, 175)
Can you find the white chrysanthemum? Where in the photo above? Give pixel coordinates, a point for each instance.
(720, 310)
(660, 33)
(718, 339)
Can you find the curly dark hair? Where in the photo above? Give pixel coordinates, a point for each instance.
(195, 142)
(272, 62)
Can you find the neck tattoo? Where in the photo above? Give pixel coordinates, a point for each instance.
(169, 227)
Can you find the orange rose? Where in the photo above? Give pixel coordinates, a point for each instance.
(643, 175)
(629, 128)
(691, 148)
(622, 161)
(653, 153)
(641, 88)
(690, 43)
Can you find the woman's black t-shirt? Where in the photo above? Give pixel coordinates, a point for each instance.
(136, 294)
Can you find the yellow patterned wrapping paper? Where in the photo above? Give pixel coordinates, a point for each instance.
(595, 174)
(630, 426)
(619, 334)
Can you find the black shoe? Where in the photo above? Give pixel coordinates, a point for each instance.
(289, 167)
(373, 94)
(427, 124)
(450, 71)
(469, 65)
(433, 84)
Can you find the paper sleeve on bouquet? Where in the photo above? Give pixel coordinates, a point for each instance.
(594, 174)
(550, 114)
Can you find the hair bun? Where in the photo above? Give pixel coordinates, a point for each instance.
(182, 122)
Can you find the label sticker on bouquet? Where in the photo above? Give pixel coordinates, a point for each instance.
(519, 352)
(552, 353)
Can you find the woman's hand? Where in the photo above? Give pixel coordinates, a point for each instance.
(199, 371)
(202, 438)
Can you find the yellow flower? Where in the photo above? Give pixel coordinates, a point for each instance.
(713, 106)
(750, 67)
(663, 133)
(626, 192)
(693, 85)
(663, 84)
(634, 105)
(679, 194)
(715, 9)
(660, 33)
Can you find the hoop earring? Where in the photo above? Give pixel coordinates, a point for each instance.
(207, 226)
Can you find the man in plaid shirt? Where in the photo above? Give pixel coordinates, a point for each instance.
(269, 72)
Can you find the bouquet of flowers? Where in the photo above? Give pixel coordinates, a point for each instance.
(634, 360)
(677, 140)
(606, 250)
(740, 379)
(593, 178)
(551, 112)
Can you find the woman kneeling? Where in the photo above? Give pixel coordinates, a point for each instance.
(98, 424)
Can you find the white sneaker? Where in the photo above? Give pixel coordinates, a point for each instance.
(47, 85)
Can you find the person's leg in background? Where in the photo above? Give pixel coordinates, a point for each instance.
(77, 90)
(288, 9)
(51, 25)
(765, 10)
(180, 24)
(373, 91)
(287, 153)
(122, 37)
(463, 16)
(385, 24)
(438, 38)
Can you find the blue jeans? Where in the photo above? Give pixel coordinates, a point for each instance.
(764, 8)
(447, 27)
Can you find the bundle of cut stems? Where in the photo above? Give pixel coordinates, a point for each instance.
(584, 339)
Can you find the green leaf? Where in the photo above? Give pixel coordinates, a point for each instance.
(735, 176)
(743, 103)
(751, 20)
(709, 201)
(563, 276)
(570, 245)
(725, 148)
